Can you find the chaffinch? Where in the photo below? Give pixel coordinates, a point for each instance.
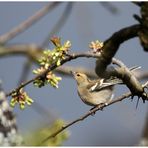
(95, 92)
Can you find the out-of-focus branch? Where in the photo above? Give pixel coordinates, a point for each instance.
(54, 66)
(66, 71)
(137, 91)
(91, 112)
(123, 72)
(110, 7)
(141, 75)
(31, 50)
(27, 23)
(59, 24)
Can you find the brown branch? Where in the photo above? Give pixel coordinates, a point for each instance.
(65, 71)
(52, 67)
(111, 46)
(91, 112)
(141, 75)
(143, 19)
(31, 51)
(123, 73)
(27, 23)
(34, 51)
(127, 77)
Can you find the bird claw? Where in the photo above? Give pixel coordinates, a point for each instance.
(92, 113)
(100, 106)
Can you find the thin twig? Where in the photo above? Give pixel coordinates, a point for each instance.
(85, 116)
(33, 51)
(133, 84)
(124, 73)
(91, 112)
(52, 67)
(27, 23)
(28, 49)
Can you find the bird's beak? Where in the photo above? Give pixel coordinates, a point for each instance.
(73, 73)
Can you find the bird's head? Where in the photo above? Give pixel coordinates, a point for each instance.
(81, 78)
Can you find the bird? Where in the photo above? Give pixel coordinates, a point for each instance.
(95, 92)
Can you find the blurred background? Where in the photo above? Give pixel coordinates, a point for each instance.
(119, 124)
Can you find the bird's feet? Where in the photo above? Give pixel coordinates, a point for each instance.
(100, 106)
(92, 113)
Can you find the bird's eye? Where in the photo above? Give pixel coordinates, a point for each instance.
(78, 75)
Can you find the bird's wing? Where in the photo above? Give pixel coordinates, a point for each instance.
(94, 85)
(103, 83)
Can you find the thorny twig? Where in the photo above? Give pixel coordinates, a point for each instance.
(91, 112)
(128, 78)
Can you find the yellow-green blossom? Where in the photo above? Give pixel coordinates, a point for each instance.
(20, 98)
(48, 58)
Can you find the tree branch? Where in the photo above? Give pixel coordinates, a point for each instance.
(52, 67)
(123, 73)
(100, 107)
(111, 46)
(91, 112)
(127, 77)
(34, 52)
